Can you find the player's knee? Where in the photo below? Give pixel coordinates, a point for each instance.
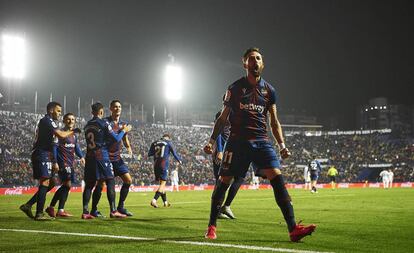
(45, 182)
(110, 183)
(67, 184)
(226, 179)
(100, 183)
(272, 173)
(126, 178)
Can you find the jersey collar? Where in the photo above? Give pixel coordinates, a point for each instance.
(260, 84)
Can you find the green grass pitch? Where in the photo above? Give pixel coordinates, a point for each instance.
(349, 220)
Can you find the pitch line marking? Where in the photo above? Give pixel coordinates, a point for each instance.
(223, 245)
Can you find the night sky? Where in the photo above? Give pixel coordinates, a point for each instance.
(325, 57)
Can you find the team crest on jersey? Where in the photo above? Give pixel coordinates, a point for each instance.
(264, 92)
(227, 96)
(54, 124)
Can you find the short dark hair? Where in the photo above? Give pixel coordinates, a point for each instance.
(52, 105)
(166, 135)
(96, 107)
(67, 115)
(113, 102)
(249, 50)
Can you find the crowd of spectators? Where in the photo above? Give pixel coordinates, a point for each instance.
(350, 154)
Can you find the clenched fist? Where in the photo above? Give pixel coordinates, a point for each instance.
(285, 153)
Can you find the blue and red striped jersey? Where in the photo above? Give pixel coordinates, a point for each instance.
(115, 147)
(161, 150)
(66, 150)
(98, 134)
(248, 108)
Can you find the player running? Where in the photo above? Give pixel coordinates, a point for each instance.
(43, 158)
(98, 166)
(161, 150)
(246, 104)
(66, 150)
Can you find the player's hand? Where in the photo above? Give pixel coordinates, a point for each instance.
(82, 161)
(208, 149)
(55, 167)
(219, 157)
(127, 128)
(285, 153)
(77, 130)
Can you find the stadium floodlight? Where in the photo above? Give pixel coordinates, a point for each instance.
(173, 83)
(13, 56)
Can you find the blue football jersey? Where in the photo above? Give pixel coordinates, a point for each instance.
(315, 167)
(45, 139)
(98, 135)
(66, 150)
(115, 147)
(161, 150)
(249, 105)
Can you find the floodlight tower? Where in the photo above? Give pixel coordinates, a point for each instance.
(13, 61)
(173, 86)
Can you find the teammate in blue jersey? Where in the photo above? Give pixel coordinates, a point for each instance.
(65, 153)
(98, 168)
(119, 167)
(161, 150)
(247, 103)
(43, 158)
(217, 156)
(314, 169)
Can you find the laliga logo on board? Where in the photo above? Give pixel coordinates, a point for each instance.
(252, 107)
(14, 191)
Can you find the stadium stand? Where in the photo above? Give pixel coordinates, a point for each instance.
(358, 157)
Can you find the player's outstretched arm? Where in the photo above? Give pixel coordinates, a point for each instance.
(118, 136)
(63, 134)
(217, 129)
(277, 132)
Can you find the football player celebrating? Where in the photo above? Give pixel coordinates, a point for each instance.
(247, 103)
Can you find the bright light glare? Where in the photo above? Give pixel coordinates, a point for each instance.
(13, 57)
(173, 82)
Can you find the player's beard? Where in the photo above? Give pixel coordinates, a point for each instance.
(256, 70)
